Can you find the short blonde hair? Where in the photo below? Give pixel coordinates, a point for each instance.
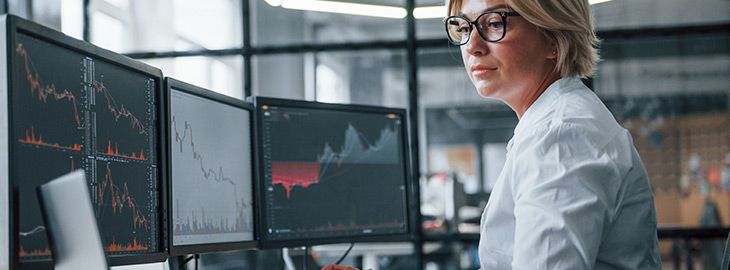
(566, 23)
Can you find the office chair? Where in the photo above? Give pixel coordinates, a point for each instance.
(71, 225)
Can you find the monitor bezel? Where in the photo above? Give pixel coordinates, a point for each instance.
(15, 26)
(177, 85)
(267, 243)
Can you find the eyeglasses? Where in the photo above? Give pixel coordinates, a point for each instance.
(491, 26)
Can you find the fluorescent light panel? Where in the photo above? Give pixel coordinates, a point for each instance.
(593, 2)
(345, 8)
(429, 12)
(382, 11)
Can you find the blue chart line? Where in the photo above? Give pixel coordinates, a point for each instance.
(357, 149)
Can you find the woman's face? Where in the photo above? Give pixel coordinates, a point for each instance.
(506, 69)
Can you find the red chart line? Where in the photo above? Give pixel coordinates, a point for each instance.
(120, 198)
(118, 110)
(42, 92)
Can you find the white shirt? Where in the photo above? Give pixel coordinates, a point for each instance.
(573, 193)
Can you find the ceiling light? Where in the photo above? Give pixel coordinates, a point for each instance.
(593, 2)
(429, 12)
(346, 8)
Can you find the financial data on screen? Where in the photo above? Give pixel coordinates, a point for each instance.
(211, 181)
(73, 111)
(332, 173)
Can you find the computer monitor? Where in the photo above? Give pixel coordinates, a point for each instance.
(71, 223)
(211, 171)
(331, 173)
(69, 105)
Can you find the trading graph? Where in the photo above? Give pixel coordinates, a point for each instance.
(37, 140)
(72, 111)
(38, 169)
(332, 173)
(355, 150)
(124, 208)
(43, 90)
(211, 171)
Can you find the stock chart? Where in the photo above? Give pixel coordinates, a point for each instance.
(72, 111)
(211, 171)
(332, 173)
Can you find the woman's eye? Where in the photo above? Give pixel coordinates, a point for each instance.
(494, 25)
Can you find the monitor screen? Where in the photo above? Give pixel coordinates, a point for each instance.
(211, 161)
(331, 173)
(73, 106)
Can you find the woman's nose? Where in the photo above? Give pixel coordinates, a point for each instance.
(476, 45)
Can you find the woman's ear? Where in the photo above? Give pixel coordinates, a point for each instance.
(552, 52)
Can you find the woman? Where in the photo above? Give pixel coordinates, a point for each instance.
(573, 193)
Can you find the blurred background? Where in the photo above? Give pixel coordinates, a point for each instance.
(665, 75)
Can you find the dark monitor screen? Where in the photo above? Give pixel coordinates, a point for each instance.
(74, 106)
(211, 178)
(331, 173)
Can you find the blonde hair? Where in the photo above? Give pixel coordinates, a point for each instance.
(566, 23)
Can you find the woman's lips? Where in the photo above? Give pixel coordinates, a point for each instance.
(479, 70)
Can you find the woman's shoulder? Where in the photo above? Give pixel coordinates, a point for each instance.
(581, 112)
(565, 128)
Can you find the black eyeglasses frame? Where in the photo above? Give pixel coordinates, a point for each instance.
(472, 24)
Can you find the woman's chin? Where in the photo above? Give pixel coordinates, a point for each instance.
(487, 92)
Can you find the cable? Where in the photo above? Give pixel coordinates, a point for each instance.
(306, 254)
(197, 256)
(287, 259)
(346, 252)
(185, 261)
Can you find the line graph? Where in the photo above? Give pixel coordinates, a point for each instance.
(196, 221)
(187, 136)
(41, 91)
(73, 109)
(118, 110)
(356, 149)
(214, 161)
(37, 229)
(119, 199)
(31, 227)
(314, 156)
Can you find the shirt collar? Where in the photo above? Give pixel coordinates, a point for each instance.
(543, 104)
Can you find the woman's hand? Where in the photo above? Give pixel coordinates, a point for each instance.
(337, 267)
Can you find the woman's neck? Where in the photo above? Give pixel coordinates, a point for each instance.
(533, 93)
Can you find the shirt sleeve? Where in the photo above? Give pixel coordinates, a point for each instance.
(564, 189)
